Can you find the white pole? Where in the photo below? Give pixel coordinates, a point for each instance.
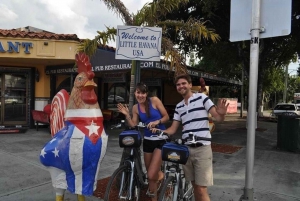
(252, 99)
(285, 83)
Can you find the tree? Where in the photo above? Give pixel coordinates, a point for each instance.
(293, 87)
(151, 15)
(229, 59)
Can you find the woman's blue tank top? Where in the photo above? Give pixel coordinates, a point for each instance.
(154, 115)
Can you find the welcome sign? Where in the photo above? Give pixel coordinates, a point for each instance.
(138, 43)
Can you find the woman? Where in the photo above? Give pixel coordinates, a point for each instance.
(152, 113)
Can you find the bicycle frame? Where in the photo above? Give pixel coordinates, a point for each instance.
(176, 171)
(135, 163)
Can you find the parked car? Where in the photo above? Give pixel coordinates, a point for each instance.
(112, 98)
(12, 101)
(287, 108)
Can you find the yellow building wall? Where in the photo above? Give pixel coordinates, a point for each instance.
(41, 49)
(42, 87)
(42, 53)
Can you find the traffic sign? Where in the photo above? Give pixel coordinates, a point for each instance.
(275, 19)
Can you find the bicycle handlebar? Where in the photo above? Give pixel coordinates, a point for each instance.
(192, 139)
(136, 127)
(160, 134)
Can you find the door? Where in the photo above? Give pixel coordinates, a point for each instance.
(14, 98)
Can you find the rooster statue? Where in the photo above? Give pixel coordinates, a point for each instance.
(205, 91)
(74, 154)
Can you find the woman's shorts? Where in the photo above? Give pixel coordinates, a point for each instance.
(150, 145)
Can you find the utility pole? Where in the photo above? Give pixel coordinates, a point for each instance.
(252, 99)
(285, 83)
(242, 94)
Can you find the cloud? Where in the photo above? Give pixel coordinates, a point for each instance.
(81, 17)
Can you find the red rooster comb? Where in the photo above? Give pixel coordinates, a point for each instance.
(83, 63)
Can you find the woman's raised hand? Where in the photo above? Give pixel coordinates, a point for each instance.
(123, 109)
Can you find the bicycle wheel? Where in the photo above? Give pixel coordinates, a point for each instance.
(167, 190)
(118, 187)
(188, 191)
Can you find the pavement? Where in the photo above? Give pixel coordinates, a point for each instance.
(276, 173)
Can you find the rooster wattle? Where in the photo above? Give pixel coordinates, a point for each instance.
(79, 142)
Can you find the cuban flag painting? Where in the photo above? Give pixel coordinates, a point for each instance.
(74, 154)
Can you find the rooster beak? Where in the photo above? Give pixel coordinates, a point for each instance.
(90, 83)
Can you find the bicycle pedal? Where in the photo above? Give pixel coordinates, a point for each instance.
(150, 194)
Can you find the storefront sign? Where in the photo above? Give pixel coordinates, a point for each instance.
(104, 61)
(111, 67)
(60, 70)
(15, 47)
(138, 43)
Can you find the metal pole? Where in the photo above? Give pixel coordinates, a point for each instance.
(285, 83)
(242, 95)
(137, 74)
(252, 99)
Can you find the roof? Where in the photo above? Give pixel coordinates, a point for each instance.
(14, 33)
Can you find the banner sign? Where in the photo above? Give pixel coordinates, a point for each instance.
(138, 43)
(232, 107)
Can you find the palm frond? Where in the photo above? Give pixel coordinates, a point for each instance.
(119, 8)
(195, 29)
(89, 47)
(151, 12)
(172, 55)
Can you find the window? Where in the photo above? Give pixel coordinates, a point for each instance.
(117, 94)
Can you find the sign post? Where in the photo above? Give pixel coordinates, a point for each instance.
(138, 43)
(251, 116)
(264, 22)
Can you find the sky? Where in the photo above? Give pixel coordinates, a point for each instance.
(292, 70)
(81, 17)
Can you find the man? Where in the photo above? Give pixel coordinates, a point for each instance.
(192, 113)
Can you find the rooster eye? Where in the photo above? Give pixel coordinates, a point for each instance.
(79, 78)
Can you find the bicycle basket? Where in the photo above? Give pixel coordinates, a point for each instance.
(175, 153)
(130, 138)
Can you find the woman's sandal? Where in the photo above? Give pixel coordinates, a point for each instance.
(159, 182)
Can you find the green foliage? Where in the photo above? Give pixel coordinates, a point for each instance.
(228, 58)
(274, 80)
(293, 87)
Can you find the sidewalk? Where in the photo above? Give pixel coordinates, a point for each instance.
(276, 172)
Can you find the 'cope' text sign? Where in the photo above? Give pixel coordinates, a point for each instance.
(138, 43)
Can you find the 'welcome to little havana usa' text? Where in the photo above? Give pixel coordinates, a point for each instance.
(143, 43)
(135, 44)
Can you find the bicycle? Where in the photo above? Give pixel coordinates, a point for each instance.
(175, 187)
(128, 179)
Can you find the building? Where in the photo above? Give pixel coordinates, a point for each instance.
(35, 64)
(24, 55)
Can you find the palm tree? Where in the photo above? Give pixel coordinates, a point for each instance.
(150, 15)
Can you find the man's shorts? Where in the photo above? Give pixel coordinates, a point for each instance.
(199, 166)
(150, 145)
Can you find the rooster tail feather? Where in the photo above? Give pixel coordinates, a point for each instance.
(58, 110)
